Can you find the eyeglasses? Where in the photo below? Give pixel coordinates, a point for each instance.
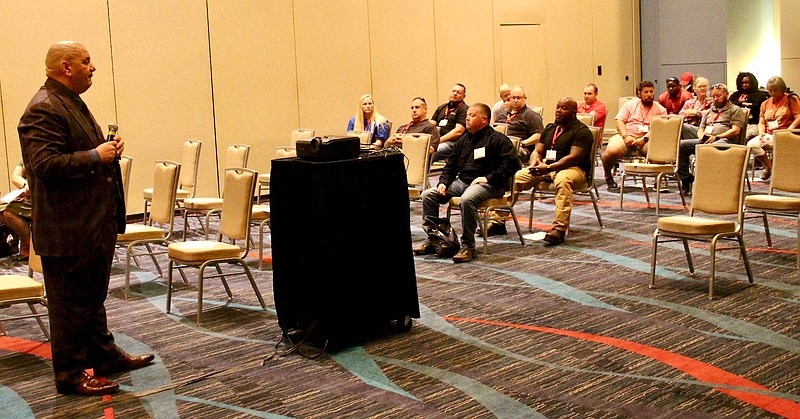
(420, 98)
(718, 86)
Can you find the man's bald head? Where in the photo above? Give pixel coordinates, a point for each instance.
(566, 110)
(69, 63)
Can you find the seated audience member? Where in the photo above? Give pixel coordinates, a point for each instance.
(368, 119)
(522, 122)
(591, 104)
(479, 168)
(503, 104)
(721, 124)
(780, 111)
(17, 213)
(687, 81)
(633, 129)
(419, 124)
(748, 95)
(451, 118)
(562, 157)
(673, 99)
(694, 109)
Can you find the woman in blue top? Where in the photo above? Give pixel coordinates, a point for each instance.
(370, 120)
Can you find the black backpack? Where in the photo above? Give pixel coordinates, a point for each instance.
(9, 242)
(441, 235)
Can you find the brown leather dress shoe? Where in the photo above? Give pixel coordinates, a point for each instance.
(464, 255)
(86, 385)
(124, 362)
(554, 237)
(426, 248)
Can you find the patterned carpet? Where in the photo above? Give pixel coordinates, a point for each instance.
(534, 331)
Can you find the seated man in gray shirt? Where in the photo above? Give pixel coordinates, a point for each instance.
(722, 123)
(522, 122)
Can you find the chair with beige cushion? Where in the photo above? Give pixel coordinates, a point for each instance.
(785, 178)
(188, 182)
(364, 137)
(125, 164)
(235, 222)
(586, 118)
(162, 213)
(718, 191)
(500, 127)
(236, 155)
(539, 110)
(486, 208)
(263, 179)
(662, 158)
(24, 289)
(416, 148)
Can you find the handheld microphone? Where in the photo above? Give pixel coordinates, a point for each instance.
(112, 131)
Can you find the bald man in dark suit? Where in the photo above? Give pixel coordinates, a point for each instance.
(78, 209)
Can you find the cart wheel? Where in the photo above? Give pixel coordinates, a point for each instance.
(404, 323)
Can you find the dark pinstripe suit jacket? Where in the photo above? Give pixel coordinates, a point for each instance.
(75, 199)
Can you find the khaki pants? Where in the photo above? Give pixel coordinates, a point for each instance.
(565, 182)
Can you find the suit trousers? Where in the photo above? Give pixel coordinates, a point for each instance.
(76, 292)
(565, 182)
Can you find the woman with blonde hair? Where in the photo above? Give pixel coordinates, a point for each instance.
(368, 119)
(780, 111)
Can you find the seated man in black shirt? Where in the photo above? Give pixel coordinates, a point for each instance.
(563, 156)
(482, 162)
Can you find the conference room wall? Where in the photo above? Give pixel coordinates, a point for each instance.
(27, 29)
(249, 71)
(790, 43)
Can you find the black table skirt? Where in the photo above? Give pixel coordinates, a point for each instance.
(341, 242)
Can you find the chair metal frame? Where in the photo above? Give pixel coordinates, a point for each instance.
(785, 172)
(704, 199)
(589, 188)
(234, 225)
(166, 174)
(263, 179)
(486, 207)
(188, 180)
(661, 161)
(236, 155)
(34, 265)
(416, 148)
(586, 118)
(500, 127)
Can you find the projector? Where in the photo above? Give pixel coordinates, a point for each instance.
(328, 148)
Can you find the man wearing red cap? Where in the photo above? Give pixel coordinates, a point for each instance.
(687, 81)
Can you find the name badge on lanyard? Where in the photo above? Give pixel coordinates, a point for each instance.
(550, 155)
(479, 153)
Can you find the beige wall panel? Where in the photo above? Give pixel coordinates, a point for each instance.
(333, 62)
(569, 52)
(255, 77)
(163, 81)
(790, 30)
(790, 43)
(515, 11)
(465, 49)
(615, 34)
(27, 29)
(524, 64)
(403, 56)
(511, 12)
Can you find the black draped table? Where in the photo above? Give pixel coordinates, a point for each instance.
(341, 242)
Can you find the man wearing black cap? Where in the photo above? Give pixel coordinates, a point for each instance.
(674, 98)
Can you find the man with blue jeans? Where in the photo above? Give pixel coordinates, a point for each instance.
(480, 167)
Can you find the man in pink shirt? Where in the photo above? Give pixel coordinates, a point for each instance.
(675, 96)
(633, 129)
(591, 104)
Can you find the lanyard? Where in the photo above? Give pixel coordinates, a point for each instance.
(407, 127)
(559, 131)
(447, 110)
